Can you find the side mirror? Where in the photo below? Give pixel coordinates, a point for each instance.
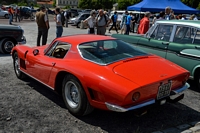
(35, 52)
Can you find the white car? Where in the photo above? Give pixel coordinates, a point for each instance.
(4, 13)
(72, 20)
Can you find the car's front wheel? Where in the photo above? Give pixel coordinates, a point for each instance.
(74, 96)
(6, 16)
(16, 65)
(6, 45)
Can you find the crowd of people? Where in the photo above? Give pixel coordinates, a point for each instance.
(99, 21)
(18, 14)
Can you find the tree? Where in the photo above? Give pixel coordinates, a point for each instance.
(191, 3)
(123, 4)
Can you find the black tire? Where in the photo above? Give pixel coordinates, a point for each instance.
(6, 45)
(74, 96)
(6, 16)
(16, 64)
(78, 25)
(32, 17)
(197, 81)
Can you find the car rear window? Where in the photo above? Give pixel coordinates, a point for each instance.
(108, 51)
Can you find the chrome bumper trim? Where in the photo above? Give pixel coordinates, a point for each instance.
(186, 86)
(23, 40)
(121, 109)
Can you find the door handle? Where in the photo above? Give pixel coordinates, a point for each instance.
(53, 63)
(197, 47)
(165, 43)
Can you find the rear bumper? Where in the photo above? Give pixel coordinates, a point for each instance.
(150, 102)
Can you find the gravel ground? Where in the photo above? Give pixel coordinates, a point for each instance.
(29, 107)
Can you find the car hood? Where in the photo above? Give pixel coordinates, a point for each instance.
(147, 69)
(3, 26)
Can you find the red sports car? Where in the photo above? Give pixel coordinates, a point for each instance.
(92, 71)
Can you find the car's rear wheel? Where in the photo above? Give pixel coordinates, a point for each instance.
(74, 96)
(6, 45)
(6, 16)
(16, 65)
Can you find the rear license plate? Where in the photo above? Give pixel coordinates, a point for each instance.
(164, 90)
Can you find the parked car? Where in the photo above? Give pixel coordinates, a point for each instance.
(96, 71)
(4, 13)
(10, 35)
(175, 40)
(73, 12)
(80, 17)
(27, 13)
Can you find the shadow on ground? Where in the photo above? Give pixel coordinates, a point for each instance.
(157, 117)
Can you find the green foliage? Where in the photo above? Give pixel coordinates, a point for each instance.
(22, 3)
(123, 4)
(96, 4)
(54, 3)
(191, 3)
(198, 6)
(67, 7)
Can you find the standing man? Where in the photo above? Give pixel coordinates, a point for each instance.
(59, 26)
(128, 23)
(17, 14)
(168, 13)
(102, 21)
(114, 21)
(123, 22)
(144, 24)
(10, 15)
(66, 14)
(43, 25)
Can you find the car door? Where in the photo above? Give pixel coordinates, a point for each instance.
(158, 40)
(185, 38)
(41, 65)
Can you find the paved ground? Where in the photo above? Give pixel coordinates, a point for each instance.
(27, 106)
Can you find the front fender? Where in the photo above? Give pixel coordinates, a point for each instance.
(21, 50)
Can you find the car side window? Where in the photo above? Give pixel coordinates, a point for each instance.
(162, 32)
(184, 35)
(58, 50)
(197, 37)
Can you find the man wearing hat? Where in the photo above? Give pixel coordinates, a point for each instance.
(43, 25)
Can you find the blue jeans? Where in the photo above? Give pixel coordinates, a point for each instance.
(10, 19)
(59, 31)
(127, 29)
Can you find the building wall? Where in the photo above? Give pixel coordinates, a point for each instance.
(63, 3)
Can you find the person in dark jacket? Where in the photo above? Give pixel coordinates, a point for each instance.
(43, 25)
(114, 22)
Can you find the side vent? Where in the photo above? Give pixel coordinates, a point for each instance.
(91, 93)
(22, 63)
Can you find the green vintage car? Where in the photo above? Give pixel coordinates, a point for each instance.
(175, 40)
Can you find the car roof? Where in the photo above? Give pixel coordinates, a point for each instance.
(181, 22)
(78, 39)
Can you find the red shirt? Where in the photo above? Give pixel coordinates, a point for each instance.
(143, 26)
(9, 11)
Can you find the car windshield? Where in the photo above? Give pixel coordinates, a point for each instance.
(108, 51)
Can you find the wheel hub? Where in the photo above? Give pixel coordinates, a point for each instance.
(72, 94)
(8, 46)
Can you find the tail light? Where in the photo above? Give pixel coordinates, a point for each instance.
(135, 96)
